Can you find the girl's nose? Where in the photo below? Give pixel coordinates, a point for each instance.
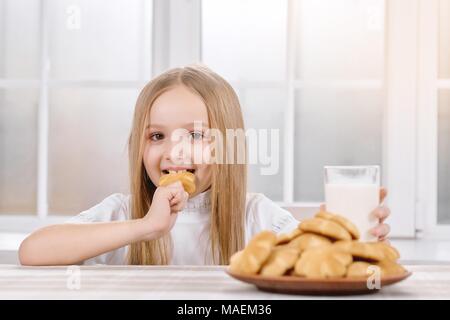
(178, 152)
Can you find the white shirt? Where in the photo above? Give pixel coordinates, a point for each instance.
(190, 233)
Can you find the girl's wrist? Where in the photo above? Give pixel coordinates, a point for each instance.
(145, 230)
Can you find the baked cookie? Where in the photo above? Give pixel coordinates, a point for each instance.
(360, 250)
(344, 222)
(325, 228)
(235, 257)
(250, 260)
(287, 237)
(390, 268)
(187, 179)
(322, 262)
(358, 269)
(280, 260)
(390, 253)
(307, 241)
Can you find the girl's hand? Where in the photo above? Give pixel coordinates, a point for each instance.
(167, 202)
(381, 212)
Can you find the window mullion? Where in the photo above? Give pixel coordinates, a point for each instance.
(289, 119)
(400, 121)
(145, 33)
(427, 153)
(176, 33)
(42, 142)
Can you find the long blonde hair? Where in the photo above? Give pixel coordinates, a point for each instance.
(228, 180)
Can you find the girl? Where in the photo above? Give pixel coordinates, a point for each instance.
(163, 224)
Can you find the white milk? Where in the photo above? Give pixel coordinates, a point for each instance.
(355, 202)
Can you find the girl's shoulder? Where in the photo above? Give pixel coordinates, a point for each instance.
(264, 214)
(258, 202)
(113, 208)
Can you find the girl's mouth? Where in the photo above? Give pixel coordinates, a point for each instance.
(179, 171)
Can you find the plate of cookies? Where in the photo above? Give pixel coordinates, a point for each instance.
(323, 256)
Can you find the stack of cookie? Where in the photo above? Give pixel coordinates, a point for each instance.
(325, 246)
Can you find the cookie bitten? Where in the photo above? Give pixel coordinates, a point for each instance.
(187, 180)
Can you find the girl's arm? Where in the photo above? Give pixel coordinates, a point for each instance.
(65, 244)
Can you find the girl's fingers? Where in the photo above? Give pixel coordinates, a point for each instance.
(174, 201)
(181, 202)
(381, 230)
(176, 208)
(177, 197)
(177, 185)
(383, 194)
(323, 207)
(381, 213)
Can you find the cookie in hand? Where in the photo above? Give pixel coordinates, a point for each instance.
(187, 180)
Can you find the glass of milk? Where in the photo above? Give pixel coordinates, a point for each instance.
(354, 192)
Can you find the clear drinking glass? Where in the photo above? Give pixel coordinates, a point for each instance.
(354, 192)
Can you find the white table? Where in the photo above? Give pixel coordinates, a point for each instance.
(183, 282)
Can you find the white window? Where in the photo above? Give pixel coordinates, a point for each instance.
(344, 92)
(434, 119)
(248, 48)
(19, 96)
(444, 114)
(305, 64)
(345, 82)
(70, 73)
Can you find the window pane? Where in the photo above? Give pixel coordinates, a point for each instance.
(100, 39)
(19, 38)
(88, 133)
(241, 36)
(340, 39)
(334, 127)
(18, 154)
(444, 39)
(444, 157)
(263, 111)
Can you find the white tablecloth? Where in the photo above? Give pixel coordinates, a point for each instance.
(183, 282)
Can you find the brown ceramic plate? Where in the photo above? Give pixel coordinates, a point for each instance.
(300, 285)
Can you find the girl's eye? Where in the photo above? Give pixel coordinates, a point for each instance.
(196, 135)
(156, 136)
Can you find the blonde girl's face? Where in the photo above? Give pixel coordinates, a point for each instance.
(175, 137)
